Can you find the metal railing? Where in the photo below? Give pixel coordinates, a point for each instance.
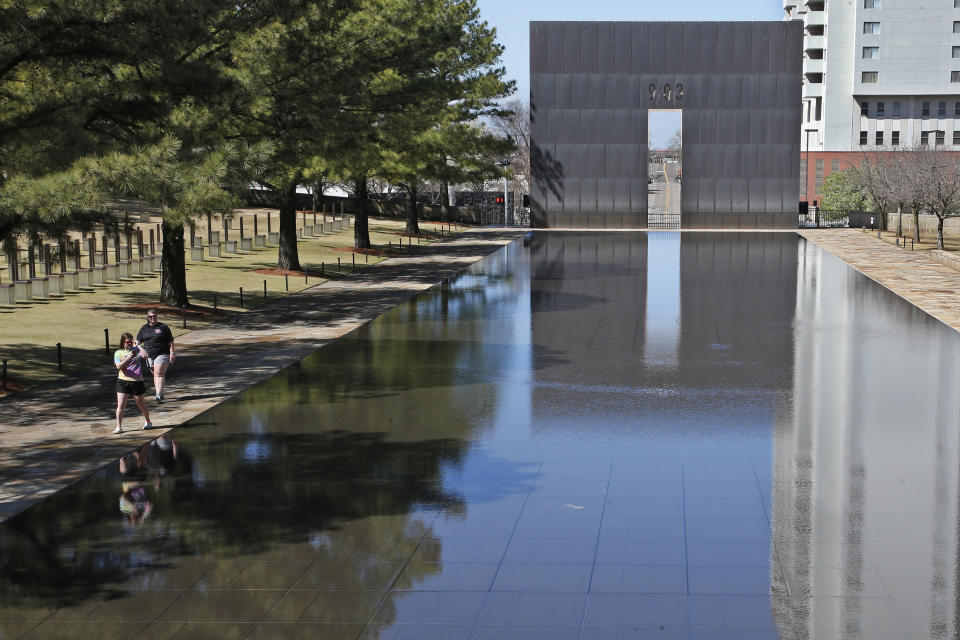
(816, 218)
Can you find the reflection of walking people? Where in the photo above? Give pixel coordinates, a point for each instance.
(134, 503)
(157, 340)
(129, 380)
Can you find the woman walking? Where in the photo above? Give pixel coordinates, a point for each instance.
(129, 380)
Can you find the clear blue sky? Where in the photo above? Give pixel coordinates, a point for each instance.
(512, 21)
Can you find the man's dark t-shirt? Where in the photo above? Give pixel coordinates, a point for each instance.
(156, 339)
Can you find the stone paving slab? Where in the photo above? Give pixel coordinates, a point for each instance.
(912, 275)
(53, 435)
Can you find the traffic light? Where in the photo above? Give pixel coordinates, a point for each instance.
(499, 199)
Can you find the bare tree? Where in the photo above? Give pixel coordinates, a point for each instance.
(875, 178)
(515, 124)
(675, 143)
(908, 183)
(942, 194)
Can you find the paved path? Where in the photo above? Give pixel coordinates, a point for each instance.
(54, 435)
(912, 275)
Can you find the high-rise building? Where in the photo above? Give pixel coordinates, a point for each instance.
(877, 74)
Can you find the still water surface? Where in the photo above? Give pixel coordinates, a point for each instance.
(595, 436)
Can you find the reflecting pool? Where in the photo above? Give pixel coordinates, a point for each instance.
(586, 435)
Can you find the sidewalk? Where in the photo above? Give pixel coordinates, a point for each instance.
(54, 435)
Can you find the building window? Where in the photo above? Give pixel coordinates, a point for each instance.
(864, 108)
(924, 137)
(955, 52)
(956, 4)
(941, 108)
(871, 4)
(956, 26)
(879, 139)
(873, 28)
(880, 109)
(925, 111)
(941, 138)
(956, 138)
(955, 76)
(896, 109)
(895, 138)
(874, 52)
(956, 108)
(863, 138)
(872, 77)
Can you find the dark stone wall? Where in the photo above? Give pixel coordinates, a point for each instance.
(738, 85)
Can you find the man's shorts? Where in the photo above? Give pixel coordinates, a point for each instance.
(160, 360)
(131, 387)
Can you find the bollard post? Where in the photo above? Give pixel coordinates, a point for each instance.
(306, 276)
(286, 282)
(214, 303)
(183, 315)
(106, 340)
(354, 256)
(264, 290)
(241, 297)
(366, 258)
(338, 264)
(59, 357)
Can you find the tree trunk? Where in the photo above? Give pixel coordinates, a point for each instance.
(883, 218)
(62, 252)
(10, 248)
(916, 223)
(288, 258)
(413, 227)
(940, 232)
(209, 228)
(314, 200)
(445, 200)
(173, 283)
(31, 258)
(361, 219)
(899, 221)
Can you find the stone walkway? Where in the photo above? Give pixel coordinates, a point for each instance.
(914, 276)
(54, 435)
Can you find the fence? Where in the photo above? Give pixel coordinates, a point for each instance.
(816, 218)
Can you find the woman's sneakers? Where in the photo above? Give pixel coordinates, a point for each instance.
(158, 397)
(118, 430)
(147, 425)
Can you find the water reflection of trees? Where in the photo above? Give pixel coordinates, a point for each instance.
(340, 458)
(314, 491)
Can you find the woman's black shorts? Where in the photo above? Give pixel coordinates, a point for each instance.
(131, 387)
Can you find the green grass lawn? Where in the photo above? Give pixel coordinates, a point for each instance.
(29, 332)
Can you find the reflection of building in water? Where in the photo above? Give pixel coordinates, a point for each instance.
(644, 326)
(866, 484)
(737, 296)
(587, 299)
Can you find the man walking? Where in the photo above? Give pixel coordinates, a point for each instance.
(157, 340)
